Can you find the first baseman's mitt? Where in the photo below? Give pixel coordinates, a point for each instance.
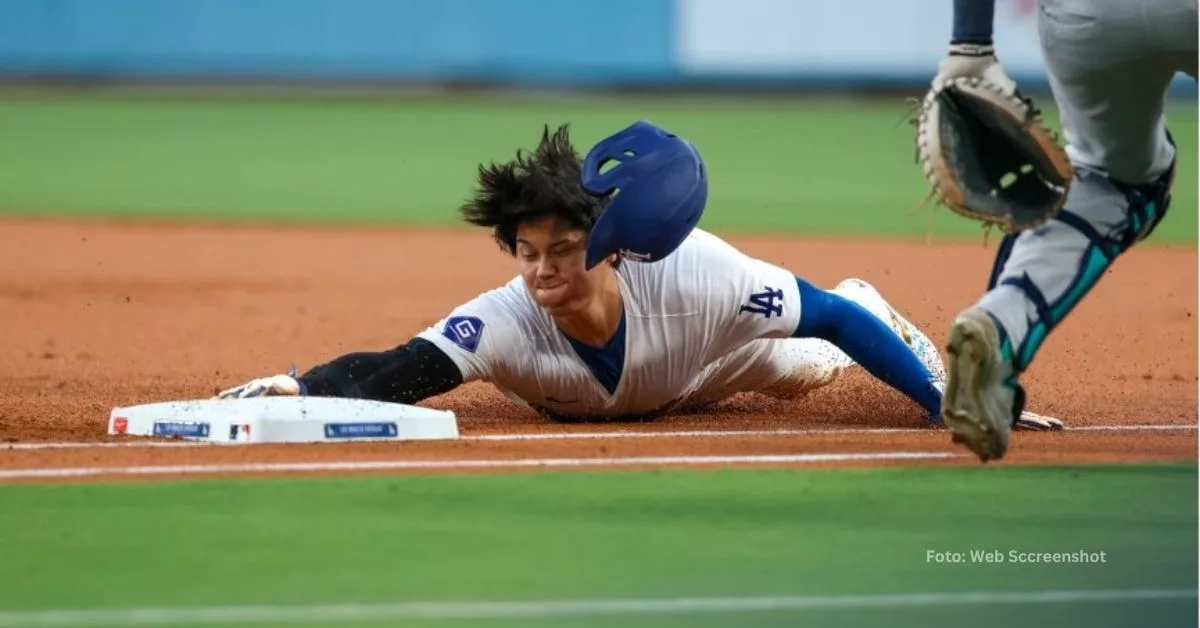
(989, 156)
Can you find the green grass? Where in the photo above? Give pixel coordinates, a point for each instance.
(780, 166)
(611, 535)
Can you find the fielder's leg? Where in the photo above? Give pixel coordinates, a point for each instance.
(1110, 63)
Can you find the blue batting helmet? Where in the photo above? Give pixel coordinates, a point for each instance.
(659, 189)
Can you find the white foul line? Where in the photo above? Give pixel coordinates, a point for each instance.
(386, 465)
(686, 434)
(790, 432)
(100, 445)
(568, 608)
(1154, 427)
(1130, 428)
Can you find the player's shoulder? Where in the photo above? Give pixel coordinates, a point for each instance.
(708, 242)
(703, 263)
(510, 303)
(703, 249)
(701, 255)
(501, 312)
(708, 265)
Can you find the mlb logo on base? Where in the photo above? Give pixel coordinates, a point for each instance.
(239, 432)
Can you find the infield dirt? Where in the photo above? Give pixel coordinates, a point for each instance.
(98, 315)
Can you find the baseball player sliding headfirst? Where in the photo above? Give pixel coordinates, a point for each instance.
(622, 309)
(1110, 64)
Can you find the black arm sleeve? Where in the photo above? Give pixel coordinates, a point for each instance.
(407, 374)
(973, 21)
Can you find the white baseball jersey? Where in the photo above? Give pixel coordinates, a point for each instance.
(682, 314)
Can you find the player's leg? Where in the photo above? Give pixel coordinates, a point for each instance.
(785, 368)
(796, 366)
(867, 296)
(1109, 63)
(869, 341)
(1109, 81)
(790, 368)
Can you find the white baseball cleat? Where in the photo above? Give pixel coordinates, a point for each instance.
(920, 343)
(983, 399)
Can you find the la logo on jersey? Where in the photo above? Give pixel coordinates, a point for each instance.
(464, 331)
(767, 302)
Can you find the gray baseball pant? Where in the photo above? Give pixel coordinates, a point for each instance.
(1110, 64)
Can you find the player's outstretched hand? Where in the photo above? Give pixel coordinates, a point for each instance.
(275, 385)
(974, 61)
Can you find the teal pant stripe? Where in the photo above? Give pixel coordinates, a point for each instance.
(1033, 341)
(1095, 262)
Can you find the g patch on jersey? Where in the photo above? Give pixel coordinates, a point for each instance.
(464, 331)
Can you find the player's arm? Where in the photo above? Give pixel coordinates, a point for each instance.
(767, 301)
(408, 373)
(973, 21)
(444, 356)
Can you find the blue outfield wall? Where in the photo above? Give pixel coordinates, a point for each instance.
(750, 43)
(502, 40)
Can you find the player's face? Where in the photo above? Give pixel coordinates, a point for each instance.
(551, 256)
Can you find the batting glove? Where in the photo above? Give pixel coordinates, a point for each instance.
(275, 385)
(974, 61)
(1037, 422)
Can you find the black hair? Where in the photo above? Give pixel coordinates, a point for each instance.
(532, 187)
